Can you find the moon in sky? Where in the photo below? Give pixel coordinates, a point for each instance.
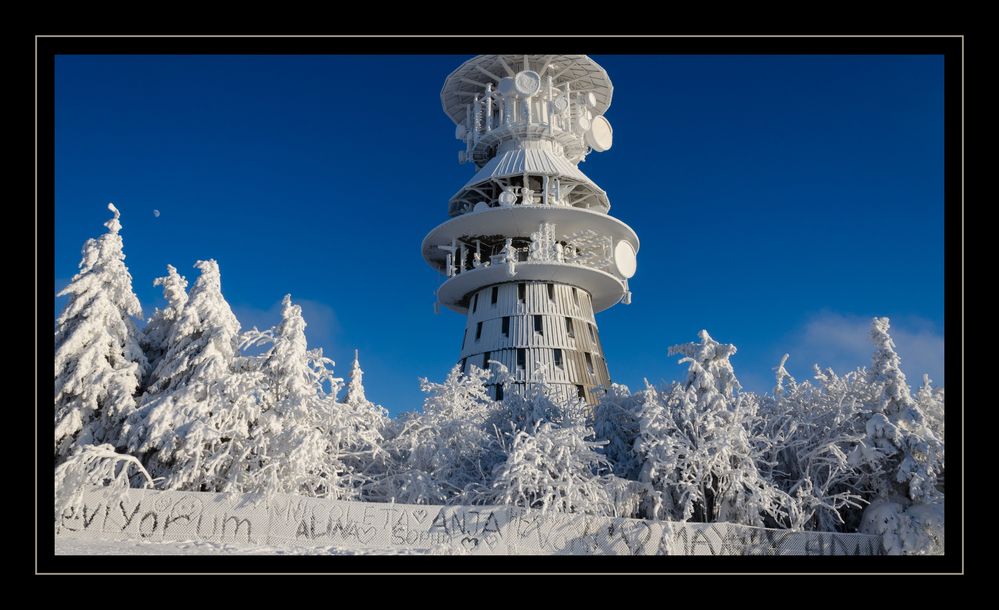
(156, 213)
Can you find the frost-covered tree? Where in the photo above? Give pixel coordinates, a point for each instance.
(810, 431)
(98, 360)
(95, 466)
(447, 447)
(697, 446)
(551, 467)
(616, 421)
(157, 331)
(195, 404)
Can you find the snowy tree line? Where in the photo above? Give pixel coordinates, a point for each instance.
(194, 402)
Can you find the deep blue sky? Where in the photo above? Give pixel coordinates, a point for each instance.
(781, 201)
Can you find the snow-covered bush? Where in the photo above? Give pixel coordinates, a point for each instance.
(96, 466)
(616, 420)
(551, 467)
(446, 448)
(917, 529)
(99, 363)
(810, 431)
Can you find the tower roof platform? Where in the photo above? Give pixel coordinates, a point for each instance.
(579, 71)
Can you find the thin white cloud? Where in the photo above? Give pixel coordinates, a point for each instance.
(843, 343)
(320, 319)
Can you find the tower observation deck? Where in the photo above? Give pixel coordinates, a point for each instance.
(529, 252)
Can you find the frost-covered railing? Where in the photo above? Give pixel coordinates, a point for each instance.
(102, 513)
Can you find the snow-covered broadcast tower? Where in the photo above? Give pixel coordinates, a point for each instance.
(529, 251)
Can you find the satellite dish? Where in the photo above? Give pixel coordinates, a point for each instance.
(582, 123)
(600, 137)
(481, 206)
(527, 83)
(624, 259)
(459, 131)
(591, 100)
(506, 87)
(560, 103)
(507, 198)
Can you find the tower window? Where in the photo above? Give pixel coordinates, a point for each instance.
(575, 296)
(463, 362)
(478, 330)
(475, 302)
(521, 358)
(568, 327)
(538, 328)
(593, 333)
(551, 292)
(558, 357)
(495, 294)
(499, 392)
(485, 360)
(589, 363)
(521, 292)
(580, 391)
(506, 326)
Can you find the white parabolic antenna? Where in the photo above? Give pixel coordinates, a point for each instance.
(624, 259)
(528, 83)
(600, 137)
(506, 87)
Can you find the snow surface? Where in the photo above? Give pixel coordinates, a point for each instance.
(68, 546)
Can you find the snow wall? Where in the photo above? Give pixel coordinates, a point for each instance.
(286, 520)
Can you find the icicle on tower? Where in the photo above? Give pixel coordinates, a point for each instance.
(530, 252)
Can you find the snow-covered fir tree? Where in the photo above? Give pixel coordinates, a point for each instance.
(99, 363)
(303, 441)
(931, 403)
(355, 385)
(157, 331)
(195, 403)
(898, 427)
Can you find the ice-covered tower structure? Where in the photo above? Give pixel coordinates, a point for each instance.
(529, 252)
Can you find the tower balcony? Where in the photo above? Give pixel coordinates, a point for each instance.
(532, 242)
(605, 289)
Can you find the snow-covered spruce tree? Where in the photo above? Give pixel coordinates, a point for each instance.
(898, 426)
(98, 361)
(908, 508)
(446, 448)
(154, 336)
(697, 445)
(303, 441)
(931, 403)
(185, 426)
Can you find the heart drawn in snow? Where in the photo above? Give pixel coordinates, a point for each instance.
(365, 535)
(420, 514)
(469, 543)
